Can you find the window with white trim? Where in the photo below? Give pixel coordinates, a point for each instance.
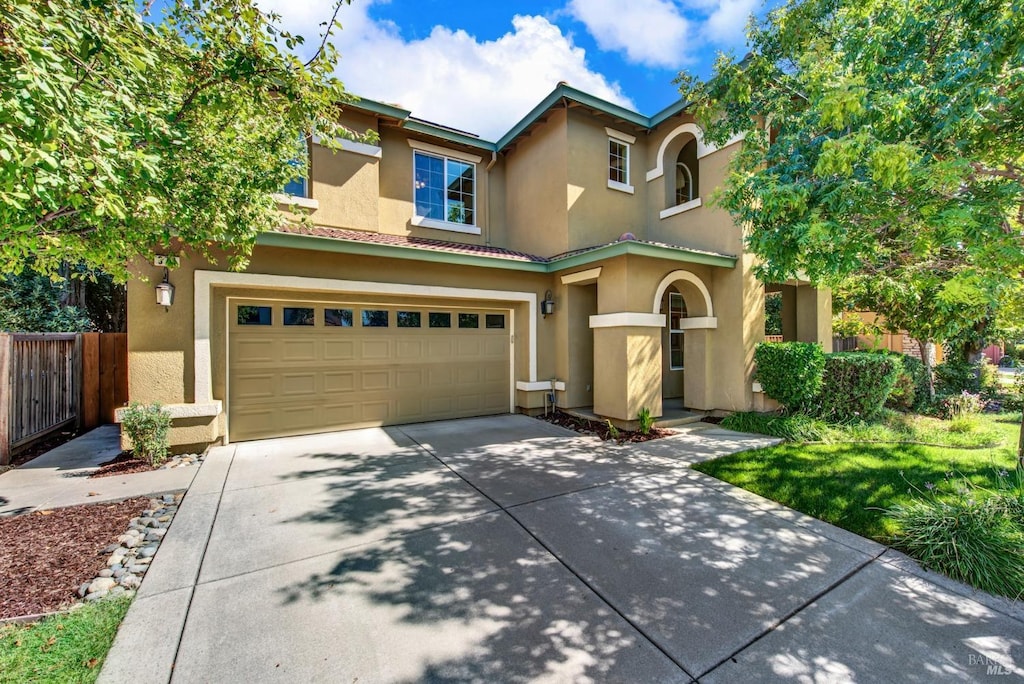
(618, 161)
(299, 186)
(676, 313)
(444, 188)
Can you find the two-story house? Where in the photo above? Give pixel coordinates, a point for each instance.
(447, 276)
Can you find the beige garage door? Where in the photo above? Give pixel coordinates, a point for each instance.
(303, 367)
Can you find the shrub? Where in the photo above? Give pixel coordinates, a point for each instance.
(855, 385)
(646, 420)
(792, 428)
(975, 536)
(954, 377)
(960, 405)
(790, 372)
(147, 427)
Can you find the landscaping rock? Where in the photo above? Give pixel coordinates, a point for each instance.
(96, 596)
(103, 584)
(147, 552)
(105, 572)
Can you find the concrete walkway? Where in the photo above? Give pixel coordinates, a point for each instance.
(507, 549)
(60, 477)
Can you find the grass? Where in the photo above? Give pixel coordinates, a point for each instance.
(851, 484)
(67, 647)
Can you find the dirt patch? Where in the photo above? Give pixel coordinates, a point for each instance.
(45, 556)
(602, 430)
(123, 464)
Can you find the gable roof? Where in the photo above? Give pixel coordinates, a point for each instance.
(563, 92)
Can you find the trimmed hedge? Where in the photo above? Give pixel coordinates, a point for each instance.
(910, 393)
(790, 372)
(855, 385)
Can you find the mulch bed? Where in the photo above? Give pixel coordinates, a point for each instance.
(45, 556)
(123, 464)
(593, 427)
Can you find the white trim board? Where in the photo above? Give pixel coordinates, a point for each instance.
(443, 151)
(205, 281)
(679, 208)
(628, 319)
(582, 277)
(688, 277)
(620, 136)
(540, 386)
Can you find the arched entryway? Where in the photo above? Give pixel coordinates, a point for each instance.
(685, 302)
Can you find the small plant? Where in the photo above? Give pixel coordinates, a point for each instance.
(961, 405)
(613, 431)
(147, 427)
(963, 424)
(646, 420)
(975, 536)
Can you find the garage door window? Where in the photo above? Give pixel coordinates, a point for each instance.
(375, 318)
(254, 315)
(408, 319)
(468, 320)
(440, 319)
(495, 321)
(298, 316)
(338, 318)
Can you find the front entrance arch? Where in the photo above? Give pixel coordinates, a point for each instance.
(685, 302)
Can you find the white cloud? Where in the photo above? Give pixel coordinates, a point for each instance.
(450, 77)
(652, 32)
(663, 33)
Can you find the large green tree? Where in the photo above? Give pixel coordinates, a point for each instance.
(884, 153)
(121, 132)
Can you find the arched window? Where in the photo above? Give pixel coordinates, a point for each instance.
(684, 182)
(676, 313)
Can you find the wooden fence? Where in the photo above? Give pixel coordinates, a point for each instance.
(50, 381)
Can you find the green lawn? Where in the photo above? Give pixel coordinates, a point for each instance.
(847, 484)
(64, 648)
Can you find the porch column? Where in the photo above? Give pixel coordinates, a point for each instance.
(627, 364)
(814, 316)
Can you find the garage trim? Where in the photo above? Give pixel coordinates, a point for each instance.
(205, 281)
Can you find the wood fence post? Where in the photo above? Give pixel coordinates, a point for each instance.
(5, 399)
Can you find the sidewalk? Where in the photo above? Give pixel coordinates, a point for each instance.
(60, 477)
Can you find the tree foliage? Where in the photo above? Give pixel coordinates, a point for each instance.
(30, 302)
(892, 162)
(121, 132)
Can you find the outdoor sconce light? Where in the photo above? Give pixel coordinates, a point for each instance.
(165, 292)
(547, 307)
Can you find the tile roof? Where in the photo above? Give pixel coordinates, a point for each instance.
(474, 250)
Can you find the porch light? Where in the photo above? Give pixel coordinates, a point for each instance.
(165, 292)
(547, 307)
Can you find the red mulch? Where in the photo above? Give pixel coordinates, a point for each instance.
(42, 446)
(45, 556)
(593, 427)
(123, 464)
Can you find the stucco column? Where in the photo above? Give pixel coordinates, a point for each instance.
(627, 363)
(813, 315)
(789, 312)
(698, 373)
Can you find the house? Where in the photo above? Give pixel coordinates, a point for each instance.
(445, 276)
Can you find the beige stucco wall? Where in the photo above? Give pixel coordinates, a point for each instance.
(536, 189)
(599, 214)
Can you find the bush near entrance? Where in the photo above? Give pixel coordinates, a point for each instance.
(856, 385)
(790, 372)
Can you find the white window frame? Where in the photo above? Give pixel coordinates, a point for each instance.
(627, 146)
(446, 155)
(675, 296)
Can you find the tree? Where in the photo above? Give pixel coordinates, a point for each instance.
(884, 152)
(34, 303)
(120, 132)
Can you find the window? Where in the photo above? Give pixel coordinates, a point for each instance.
(618, 161)
(469, 320)
(299, 186)
(375, 318)
(298, 316)
(408, 319)
(686, 179)
(338, 318)
(254, 315)
(684, 183)
(444, 189)
(676, 313)
(495, 321)
(440, 319)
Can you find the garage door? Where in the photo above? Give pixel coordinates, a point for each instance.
(304, 367)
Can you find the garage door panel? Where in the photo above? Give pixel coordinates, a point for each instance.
(291, 380)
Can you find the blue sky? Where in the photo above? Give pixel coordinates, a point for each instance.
(480, 66)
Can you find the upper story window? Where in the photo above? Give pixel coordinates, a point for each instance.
(299, 186)
(619, 146)
(445, 189)
(682, 176)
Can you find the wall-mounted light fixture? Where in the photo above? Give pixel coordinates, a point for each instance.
(165, 292)
(547, 307)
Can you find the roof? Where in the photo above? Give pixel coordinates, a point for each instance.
(365, 243)
(562, 92)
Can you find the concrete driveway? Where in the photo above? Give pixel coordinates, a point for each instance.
(507, 549)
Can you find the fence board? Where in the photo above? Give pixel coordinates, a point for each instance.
(50, 380)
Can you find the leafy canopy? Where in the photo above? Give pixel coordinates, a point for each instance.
(121, 132)
(892, 162)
